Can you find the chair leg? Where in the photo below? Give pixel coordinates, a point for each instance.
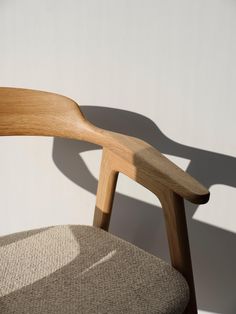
(176, 225)
(105, 192)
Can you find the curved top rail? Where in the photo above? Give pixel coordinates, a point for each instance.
(30, 112)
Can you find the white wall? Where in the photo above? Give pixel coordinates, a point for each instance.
(172, 63)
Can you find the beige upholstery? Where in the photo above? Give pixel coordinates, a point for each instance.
(82, 269)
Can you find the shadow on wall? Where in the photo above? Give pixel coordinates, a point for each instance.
(213, 249)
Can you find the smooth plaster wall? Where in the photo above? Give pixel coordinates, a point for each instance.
(161, 70)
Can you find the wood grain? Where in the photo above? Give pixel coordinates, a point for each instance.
(27, 112)
(105, 192)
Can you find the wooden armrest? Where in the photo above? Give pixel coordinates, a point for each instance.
(28, 112)
(152, 167)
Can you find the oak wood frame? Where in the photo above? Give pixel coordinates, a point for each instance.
(29, 112)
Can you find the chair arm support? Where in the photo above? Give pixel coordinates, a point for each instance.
(152, 167)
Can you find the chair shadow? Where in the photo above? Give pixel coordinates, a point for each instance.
(213, 249)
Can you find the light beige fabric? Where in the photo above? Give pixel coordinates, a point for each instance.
(40, 254)
(81, 269)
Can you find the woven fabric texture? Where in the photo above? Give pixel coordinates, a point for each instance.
(82, 269)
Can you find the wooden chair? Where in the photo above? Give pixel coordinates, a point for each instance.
(84, 269)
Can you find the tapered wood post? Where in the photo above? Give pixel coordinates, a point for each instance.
(176, 226)
(105, 192)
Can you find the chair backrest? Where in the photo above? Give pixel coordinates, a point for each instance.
(29, 112)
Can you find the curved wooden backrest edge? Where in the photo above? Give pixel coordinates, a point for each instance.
(31, 112)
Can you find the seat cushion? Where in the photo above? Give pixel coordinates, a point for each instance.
(82, 269)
